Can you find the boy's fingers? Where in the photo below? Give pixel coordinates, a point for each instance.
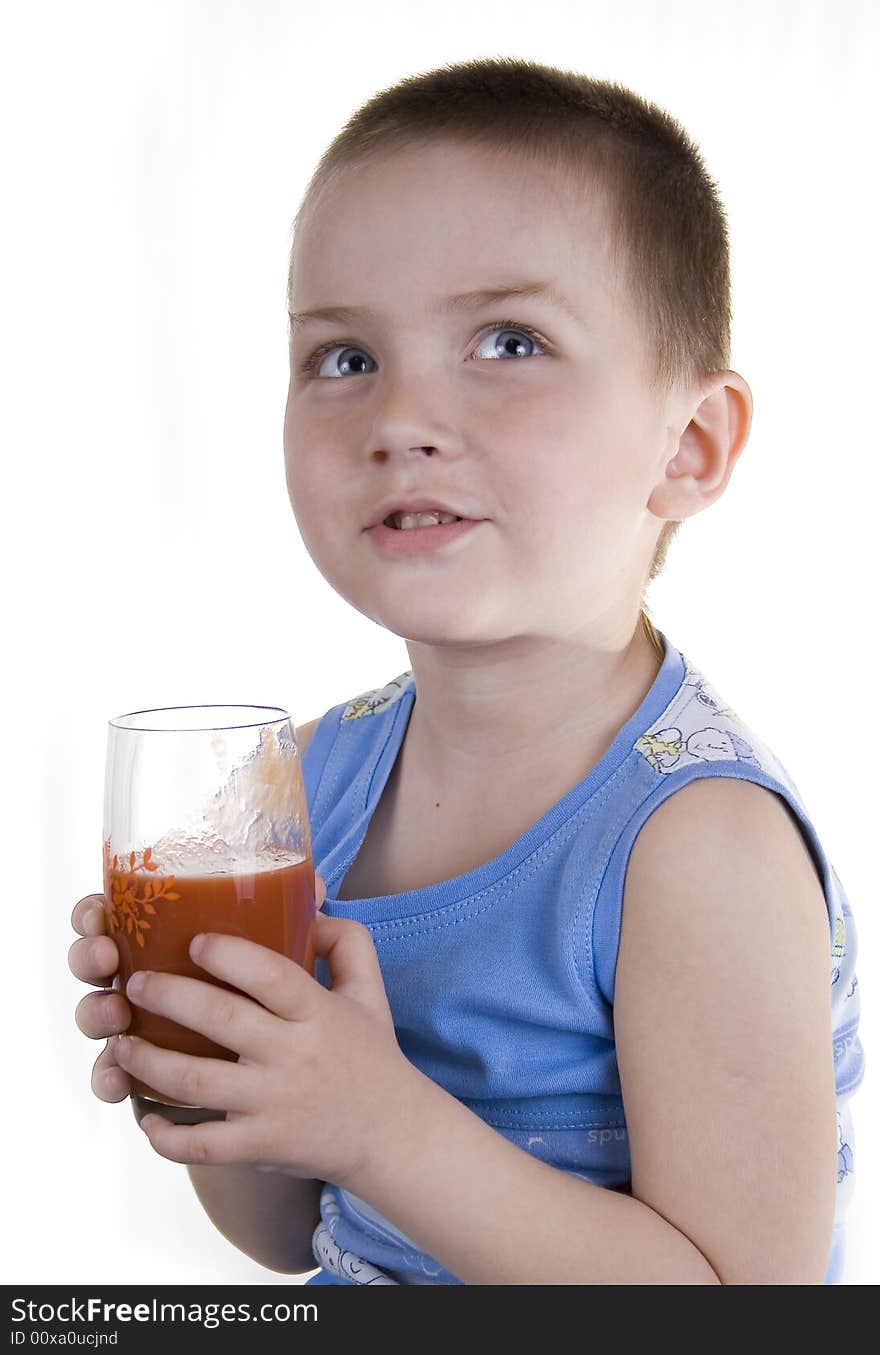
(217, 1142)
(109, 1081)
(229, 1019)
(274, 981)
(101, 1014)
(94, 959)
(215, 1084)
(320, 891)
(89, 917)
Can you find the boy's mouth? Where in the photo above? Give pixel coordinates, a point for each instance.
(424, 534)
(422, 511)
(406, 521)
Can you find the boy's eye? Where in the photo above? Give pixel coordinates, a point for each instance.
(513, 341)
(348, 362)
(510, 341)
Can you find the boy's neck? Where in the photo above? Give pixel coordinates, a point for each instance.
(502, 714)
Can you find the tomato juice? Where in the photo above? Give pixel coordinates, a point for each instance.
(153, 917)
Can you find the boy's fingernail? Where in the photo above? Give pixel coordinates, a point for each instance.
(135, 985)
(196, 945)
(93, 922)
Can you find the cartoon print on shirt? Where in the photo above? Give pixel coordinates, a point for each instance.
(341, 1261)
(681, 735)
(844, 1154)
(669, 747)
(344, 1264)
(839, 948)
(371, 703)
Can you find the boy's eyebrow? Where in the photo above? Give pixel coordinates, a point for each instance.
(461, 301)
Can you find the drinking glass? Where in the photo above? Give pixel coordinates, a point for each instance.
(205, 829)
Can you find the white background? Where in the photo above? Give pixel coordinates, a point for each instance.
(154, 156)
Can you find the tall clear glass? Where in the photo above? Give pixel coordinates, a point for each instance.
(205, 829)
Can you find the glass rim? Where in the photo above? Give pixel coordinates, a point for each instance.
(282, 716)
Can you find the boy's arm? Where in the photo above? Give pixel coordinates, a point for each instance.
(723, 1034)
(266, 1214)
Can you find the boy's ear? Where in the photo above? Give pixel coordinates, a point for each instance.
(707, 450)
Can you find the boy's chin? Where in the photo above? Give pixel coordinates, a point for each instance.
(421, 634)
(427, 625)
(444, 618)
(452, 634)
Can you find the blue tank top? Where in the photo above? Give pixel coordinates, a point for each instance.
(501, 981)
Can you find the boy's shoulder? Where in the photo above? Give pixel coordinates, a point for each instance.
(746, 810)
(376, 701)
(699, 725)
(373, 702)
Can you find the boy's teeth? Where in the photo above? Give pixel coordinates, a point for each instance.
(405, 520)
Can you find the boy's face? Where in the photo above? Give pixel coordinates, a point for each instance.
(555, 442)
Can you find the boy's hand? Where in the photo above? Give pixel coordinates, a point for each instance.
(95, 960)
(101, 1016)
(319, 1069)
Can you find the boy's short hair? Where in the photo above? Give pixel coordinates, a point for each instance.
(668, 232)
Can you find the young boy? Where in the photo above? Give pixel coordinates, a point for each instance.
(572, 1020)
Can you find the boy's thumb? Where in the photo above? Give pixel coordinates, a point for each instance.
(320, 891)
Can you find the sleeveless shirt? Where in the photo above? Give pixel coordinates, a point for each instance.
(501, 980)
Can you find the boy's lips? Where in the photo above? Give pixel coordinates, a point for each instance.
(418, 503)
(395, 541)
